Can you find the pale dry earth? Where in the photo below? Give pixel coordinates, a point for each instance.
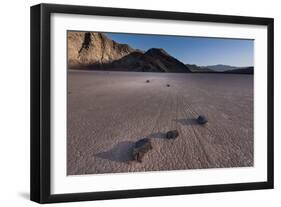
(109, 111)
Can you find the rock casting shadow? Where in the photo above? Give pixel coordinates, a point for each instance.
(121, 152)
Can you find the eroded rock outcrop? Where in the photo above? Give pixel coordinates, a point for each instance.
(93, 48)
(95, 51)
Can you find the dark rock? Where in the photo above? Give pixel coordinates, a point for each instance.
(141, 148)
(202, 119)
(148, 81)
(172, 134)
(168, 85)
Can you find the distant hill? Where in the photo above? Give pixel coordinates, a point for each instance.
(244, 70)
(198, 69)
(221, 68)
(227, 69)
(95, 51)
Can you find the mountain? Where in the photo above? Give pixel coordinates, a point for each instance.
(244, 70)
(220, 67)
(95, 51)
(153, 60)
(86, 48)
(230, 69)
(198, 69)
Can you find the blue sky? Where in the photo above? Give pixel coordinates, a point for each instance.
(194, 50)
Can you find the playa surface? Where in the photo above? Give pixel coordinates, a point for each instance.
(109, 111)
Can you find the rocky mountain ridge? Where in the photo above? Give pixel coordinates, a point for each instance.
(227, 69)
(95, 51)
(86, 48)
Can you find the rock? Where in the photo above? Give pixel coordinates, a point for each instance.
(148, 81)
(168, 85)
(202, 119)
(141, 148)
(172, 134)
(93, 49)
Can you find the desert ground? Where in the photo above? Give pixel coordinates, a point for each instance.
(107, 112)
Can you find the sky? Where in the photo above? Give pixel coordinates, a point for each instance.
(201, 51)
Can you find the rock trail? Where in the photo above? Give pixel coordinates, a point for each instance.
(108, 112)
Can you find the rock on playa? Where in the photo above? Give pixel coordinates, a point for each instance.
(141, 148)
(202, 120)
(172, 134)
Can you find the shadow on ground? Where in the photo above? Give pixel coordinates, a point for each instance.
(158, 135)
(187, 121)
(121, 152)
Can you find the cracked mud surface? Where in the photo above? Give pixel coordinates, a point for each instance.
(109, 111)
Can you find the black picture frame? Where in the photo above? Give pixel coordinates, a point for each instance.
(41, 99)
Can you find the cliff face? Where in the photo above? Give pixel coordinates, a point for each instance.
(91, 48)
(95, 51)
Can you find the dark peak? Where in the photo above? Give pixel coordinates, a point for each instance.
(157, 51)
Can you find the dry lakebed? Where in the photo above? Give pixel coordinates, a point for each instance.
(108, 112)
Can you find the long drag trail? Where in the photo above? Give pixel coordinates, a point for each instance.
(109, 111)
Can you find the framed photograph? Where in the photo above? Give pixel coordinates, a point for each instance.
(133, 103)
